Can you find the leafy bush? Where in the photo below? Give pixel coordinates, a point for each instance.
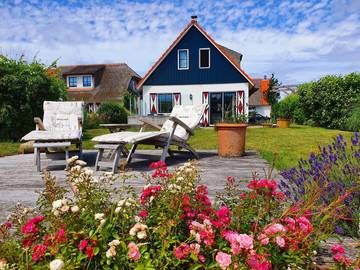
(327, 101)
(353, 122)
(288, 108)
(337, 169)
(91, 120)
(112, 113)
(173, 225)
(23, 89)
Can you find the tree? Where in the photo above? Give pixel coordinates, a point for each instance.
(23, 88)
(273, 95)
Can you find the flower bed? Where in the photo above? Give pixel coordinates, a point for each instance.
(173, 225)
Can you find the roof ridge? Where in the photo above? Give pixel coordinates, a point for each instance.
(107, 64)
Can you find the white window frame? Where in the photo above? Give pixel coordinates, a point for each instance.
(203, 49)
(158, 104)
(178, 58)
(69, 81)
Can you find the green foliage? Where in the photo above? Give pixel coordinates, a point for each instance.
(288, 108)
(327, 101)
(353, 122)
(235, 119)
(91, 120)
(23, 88)
(112, 113)
(273, 96)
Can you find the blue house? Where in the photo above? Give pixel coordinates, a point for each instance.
(196, 70)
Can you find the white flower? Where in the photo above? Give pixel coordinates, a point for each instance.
(137, 219)
(56, 264)
(64, 208)
(121, 203)
(117, 210)
(180, 178)
(75, 209)
(57, 204)
(187, 164)
(56, 213)
(72, 159)
(151, 198)
(133, 231)
(114, 243)
(141, 235)
(102, 222)
(99, 216)
(80, 162)
(111, 252)
(314, 252)
(189, 170)
(64, 201)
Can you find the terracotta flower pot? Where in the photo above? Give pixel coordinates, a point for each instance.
(231, 139)
(283, 123)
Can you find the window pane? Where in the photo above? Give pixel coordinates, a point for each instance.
(87, 81)
(183, 59)
(229, 104)
(72, 81)
(204, 58)
(165, 103)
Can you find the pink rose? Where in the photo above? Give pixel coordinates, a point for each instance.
(223, 259)
(264, 240)
(274, 228)
(134, 252)
(83, 244)
(280, 241)
(337, 249)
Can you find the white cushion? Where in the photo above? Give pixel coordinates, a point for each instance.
(129, 136)
(47, 135)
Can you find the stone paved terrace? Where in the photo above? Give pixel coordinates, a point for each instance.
(19, 179)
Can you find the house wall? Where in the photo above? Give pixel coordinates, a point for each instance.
(196, 90)
(220, 71)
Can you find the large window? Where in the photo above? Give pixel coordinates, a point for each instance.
(204, 58)
(183, 59)
(165, 103)
(87, 81)
(72, 81)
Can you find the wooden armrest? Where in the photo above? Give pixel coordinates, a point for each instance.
(39, 124)
(182, 124)
(148, 123)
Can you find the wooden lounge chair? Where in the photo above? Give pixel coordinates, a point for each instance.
(61, 127)
(176, 131)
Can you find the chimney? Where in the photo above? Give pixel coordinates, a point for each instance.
(265, 77)
(194, 18)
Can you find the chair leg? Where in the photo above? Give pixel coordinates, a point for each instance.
(116, 160)
(98, 158)
(80, 151)
(66, 157)
(35, 155)
(132, 150)
(38, 164)
(191, 150)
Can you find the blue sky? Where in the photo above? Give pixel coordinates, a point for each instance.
(297, 40)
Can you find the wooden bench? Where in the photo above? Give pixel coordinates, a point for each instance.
(38, 145)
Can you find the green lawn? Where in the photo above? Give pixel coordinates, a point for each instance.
(286, 146)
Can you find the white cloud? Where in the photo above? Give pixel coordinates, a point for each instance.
(298, 40)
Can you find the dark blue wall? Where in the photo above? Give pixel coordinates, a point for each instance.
(221, 70)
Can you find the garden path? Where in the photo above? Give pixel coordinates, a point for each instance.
(19, 179)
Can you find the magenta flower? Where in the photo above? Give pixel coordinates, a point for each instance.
(337, 249)
(280, 241)
(134, 252)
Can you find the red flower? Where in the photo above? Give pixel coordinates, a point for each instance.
(337, 249)
(148, 192)
(39, 251)
(143, 214)
(7, 224)
(89, 252)
(83, 244)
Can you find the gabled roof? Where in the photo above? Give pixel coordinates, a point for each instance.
(232, 56)
(111, 81)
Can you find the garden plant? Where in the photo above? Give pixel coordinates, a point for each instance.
(172, 225)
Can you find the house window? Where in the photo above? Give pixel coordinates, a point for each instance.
(183, 59)
(87, 81)
(72, 81)
(204, 58)
(165, 103)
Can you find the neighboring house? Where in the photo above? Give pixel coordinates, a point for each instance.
(99, 83)
(258, 97)
(196, 70)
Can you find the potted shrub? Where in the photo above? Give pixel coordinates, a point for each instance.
(283, 113)
(231, 135)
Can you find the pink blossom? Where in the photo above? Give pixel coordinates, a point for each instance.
(280, 241)
(182, 251)
(143, 214)
(264, 240)
(342, 259)
(274, 229)
(134, 252)
(223, 259)
(39, 251)
(259, 262)
(337, 249)
(201, 258)
(239, 242)
(83, 244)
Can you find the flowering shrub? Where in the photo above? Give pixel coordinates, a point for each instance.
(172, 225)
(335, 170)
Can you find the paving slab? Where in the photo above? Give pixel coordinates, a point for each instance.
(19, 179)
